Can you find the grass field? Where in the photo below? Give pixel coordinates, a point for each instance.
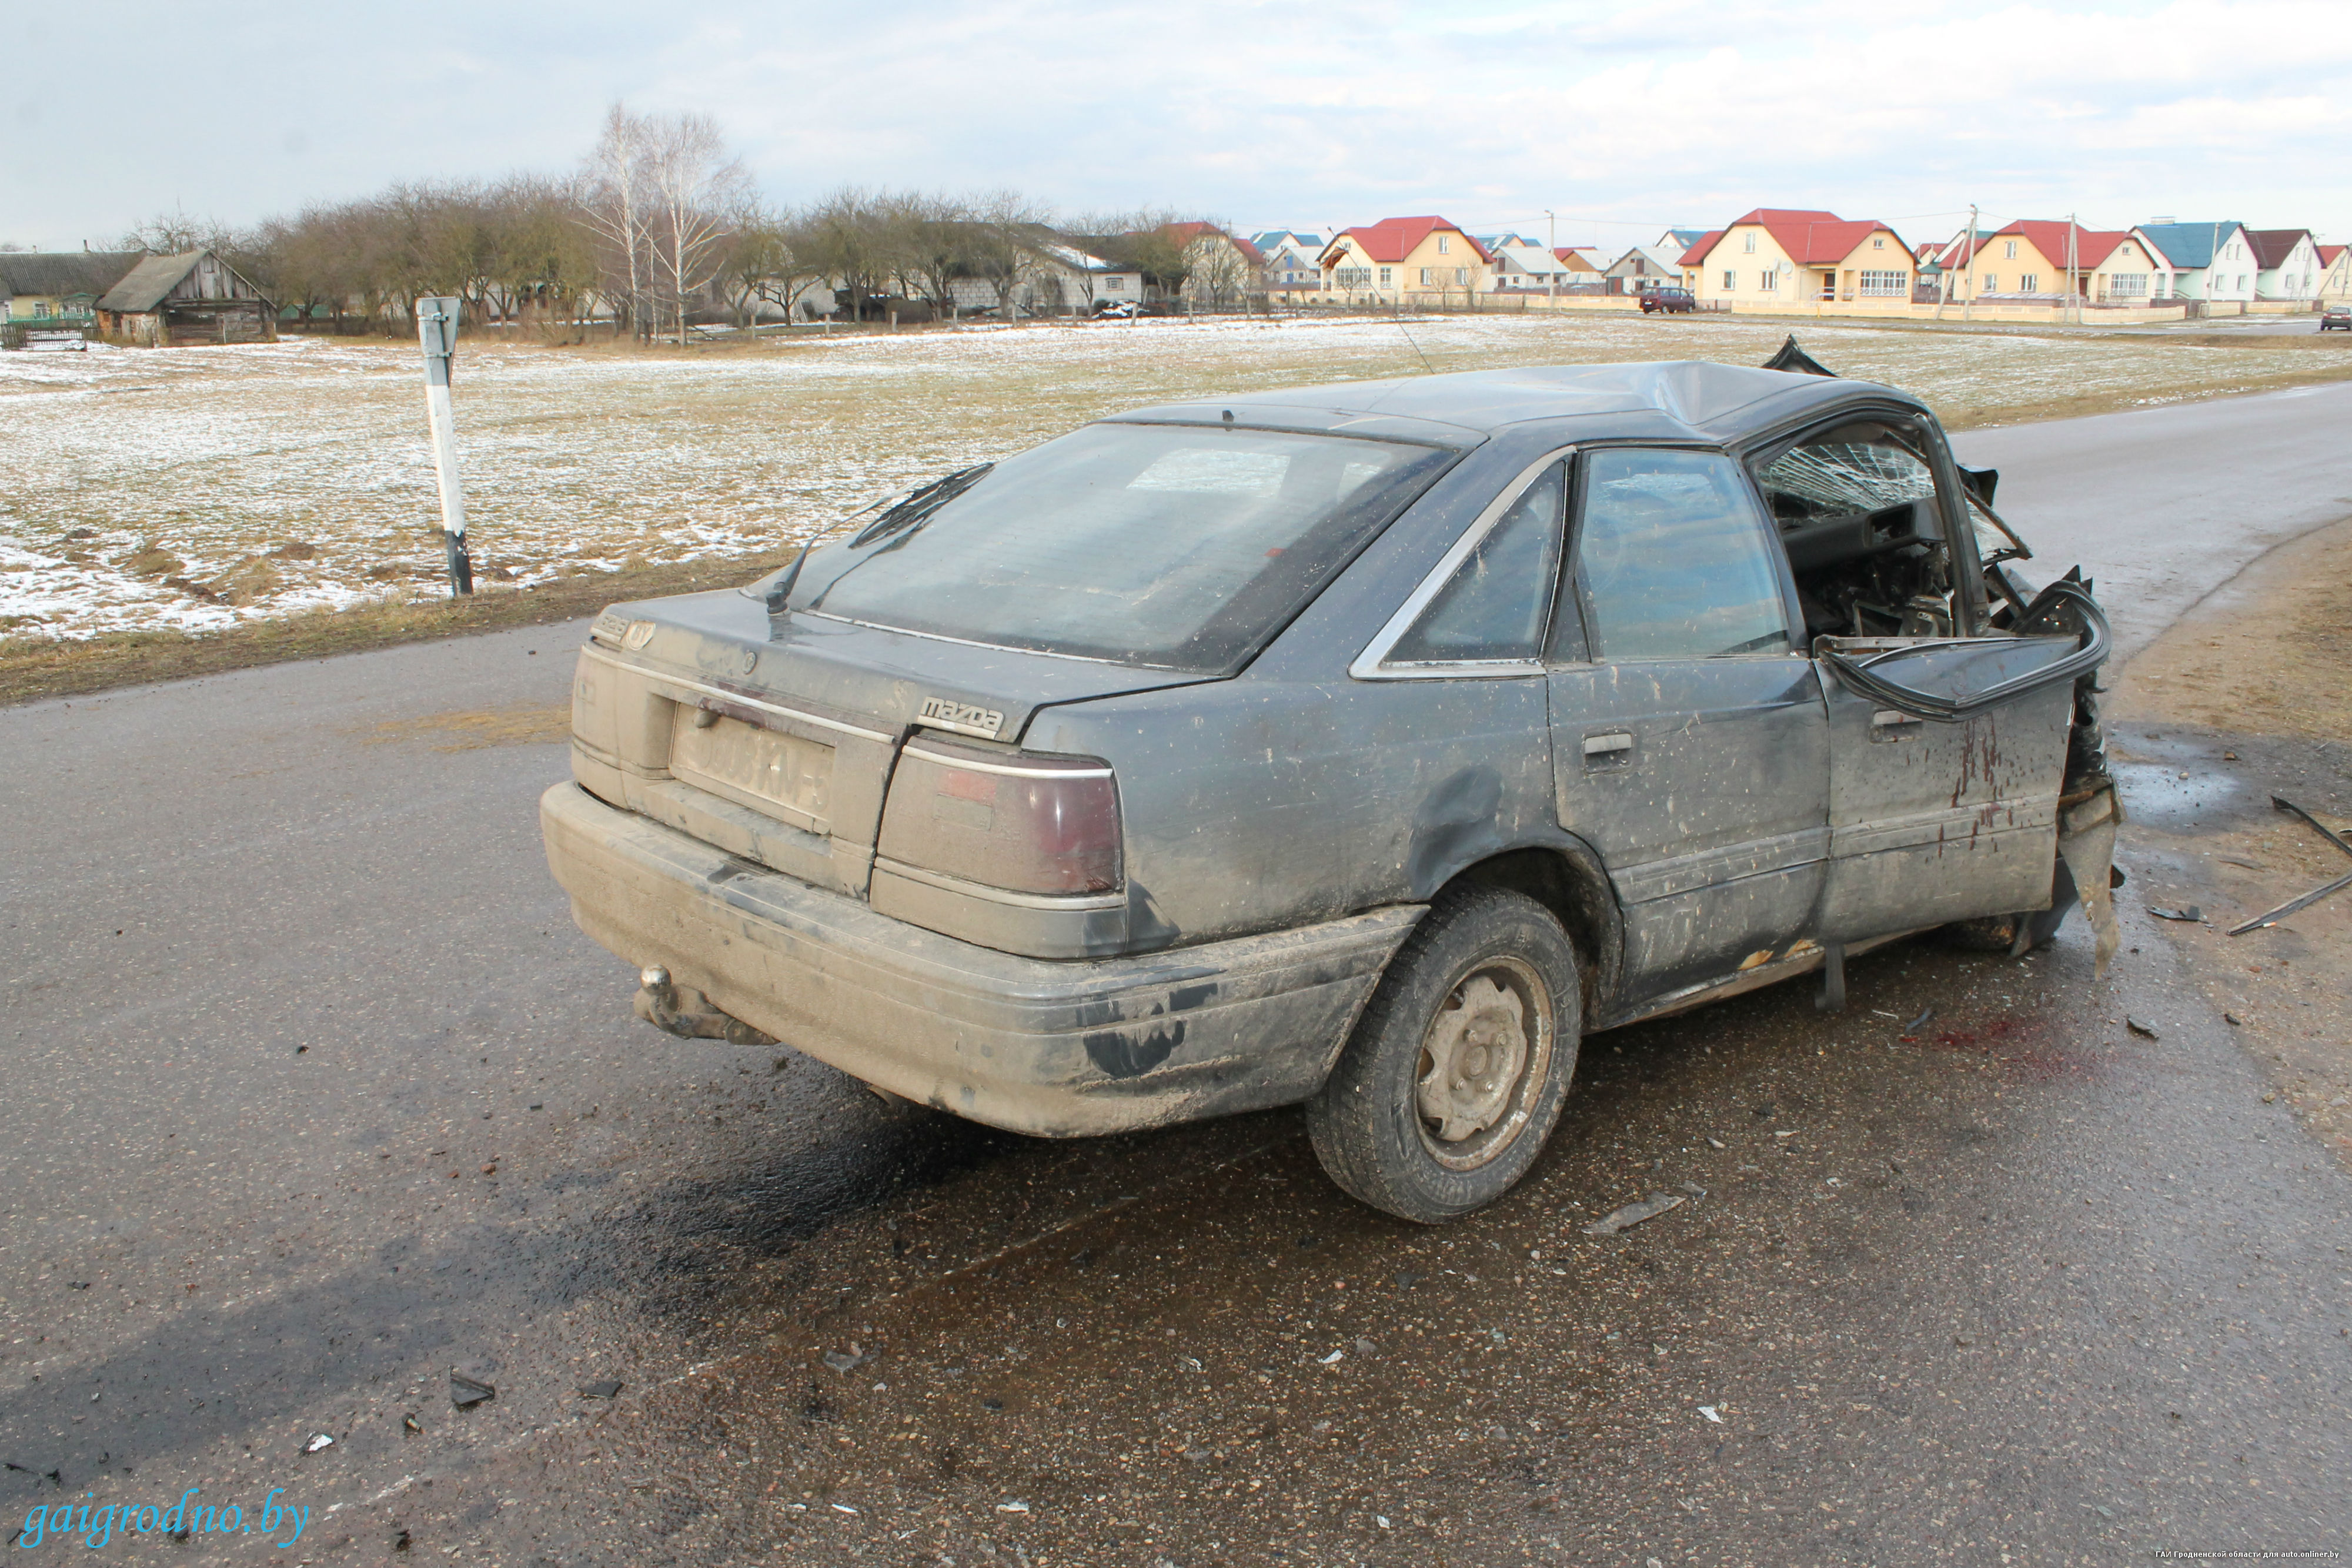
(196, 490)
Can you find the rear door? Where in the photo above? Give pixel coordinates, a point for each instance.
(1690, 742)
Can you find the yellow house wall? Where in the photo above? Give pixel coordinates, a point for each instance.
(1993, 258)
(1405, 277)
(2048, 272)
(2129, 257)
(1731, 254)
(1459, 253)
(35, 306)
(1798, 286)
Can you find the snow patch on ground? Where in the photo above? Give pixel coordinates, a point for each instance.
(294, 475)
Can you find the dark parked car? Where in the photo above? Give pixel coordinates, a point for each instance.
(2336, 318)
(1674, 302)
(1365, 746)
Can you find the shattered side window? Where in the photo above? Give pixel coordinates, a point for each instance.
(1832, 477)
(1994, 541)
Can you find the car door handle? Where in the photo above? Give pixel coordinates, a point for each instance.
(1608, 750)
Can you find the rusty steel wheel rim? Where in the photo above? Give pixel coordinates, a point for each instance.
(1484, 1060)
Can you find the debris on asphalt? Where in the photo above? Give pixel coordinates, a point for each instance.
(1406, 1280)
(1709, 1412)
(2145, 1030)
(410, 1425)
(1916, 1024)
(400, 1541)
(1012, 1508)
(845, 1361)
(842, 1508)
(2271, 917)
(1632, 1214)
(1693, 1188)
(319, 1442)
(1365, 1347)
(1332, 1359)
(1381, 1519)
(1717, 1143)
(608, 1389)
(2192, 912)
(466, 1392)
(2269, 1096)
(2233, 1019)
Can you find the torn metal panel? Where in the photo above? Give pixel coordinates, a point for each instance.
(1789, 357)
(2086, 844)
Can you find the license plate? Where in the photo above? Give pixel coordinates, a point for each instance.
(762, 768)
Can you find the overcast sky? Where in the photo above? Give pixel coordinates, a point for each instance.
(1623, 118)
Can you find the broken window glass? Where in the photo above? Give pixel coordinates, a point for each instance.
(1834, 476)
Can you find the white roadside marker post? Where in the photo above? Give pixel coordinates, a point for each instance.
(436, 331)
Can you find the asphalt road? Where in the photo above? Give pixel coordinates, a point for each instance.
(315, 1093)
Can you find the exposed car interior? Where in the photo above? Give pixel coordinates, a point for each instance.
(1856, 506)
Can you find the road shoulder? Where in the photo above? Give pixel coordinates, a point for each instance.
(2242, 700)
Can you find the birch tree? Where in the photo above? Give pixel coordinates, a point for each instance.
(693, 186)
(614, 186)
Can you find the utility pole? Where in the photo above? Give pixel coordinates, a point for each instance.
(1552, 259)
(1968, 301)
(436, 331)
(2074, 278)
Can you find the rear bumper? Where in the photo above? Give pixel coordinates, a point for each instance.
(1055, 1048)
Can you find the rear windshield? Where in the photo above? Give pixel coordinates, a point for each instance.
(1179, 547)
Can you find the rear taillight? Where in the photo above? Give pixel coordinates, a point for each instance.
(1012, 819)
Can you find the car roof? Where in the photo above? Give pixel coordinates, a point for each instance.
(1696, 398)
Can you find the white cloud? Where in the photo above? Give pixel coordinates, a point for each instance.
(1271, 111)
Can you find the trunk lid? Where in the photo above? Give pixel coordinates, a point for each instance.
(780, 749)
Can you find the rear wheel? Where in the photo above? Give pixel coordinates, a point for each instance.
(1456, 1072)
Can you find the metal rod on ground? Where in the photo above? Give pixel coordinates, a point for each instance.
(436, 333)
(2294, 905)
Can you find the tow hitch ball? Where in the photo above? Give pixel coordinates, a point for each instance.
(687, 1013)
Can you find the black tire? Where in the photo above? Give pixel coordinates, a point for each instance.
(1482, 962)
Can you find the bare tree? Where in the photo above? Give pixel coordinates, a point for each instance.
(615, 208)
(694, 186)
(848, 238)
(1219, 274)
(1153, 243)
(176, 233)
(768, 264)
(1005, 240)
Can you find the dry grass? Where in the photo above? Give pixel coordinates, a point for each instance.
(32, 670)
(175, 514)
(472, 729)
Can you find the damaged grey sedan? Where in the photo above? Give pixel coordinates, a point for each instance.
(1364, 748)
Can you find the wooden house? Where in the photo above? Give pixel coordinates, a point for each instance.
(167, 301)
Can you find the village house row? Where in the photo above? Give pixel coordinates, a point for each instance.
(1777, 259)
(1771, 260)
